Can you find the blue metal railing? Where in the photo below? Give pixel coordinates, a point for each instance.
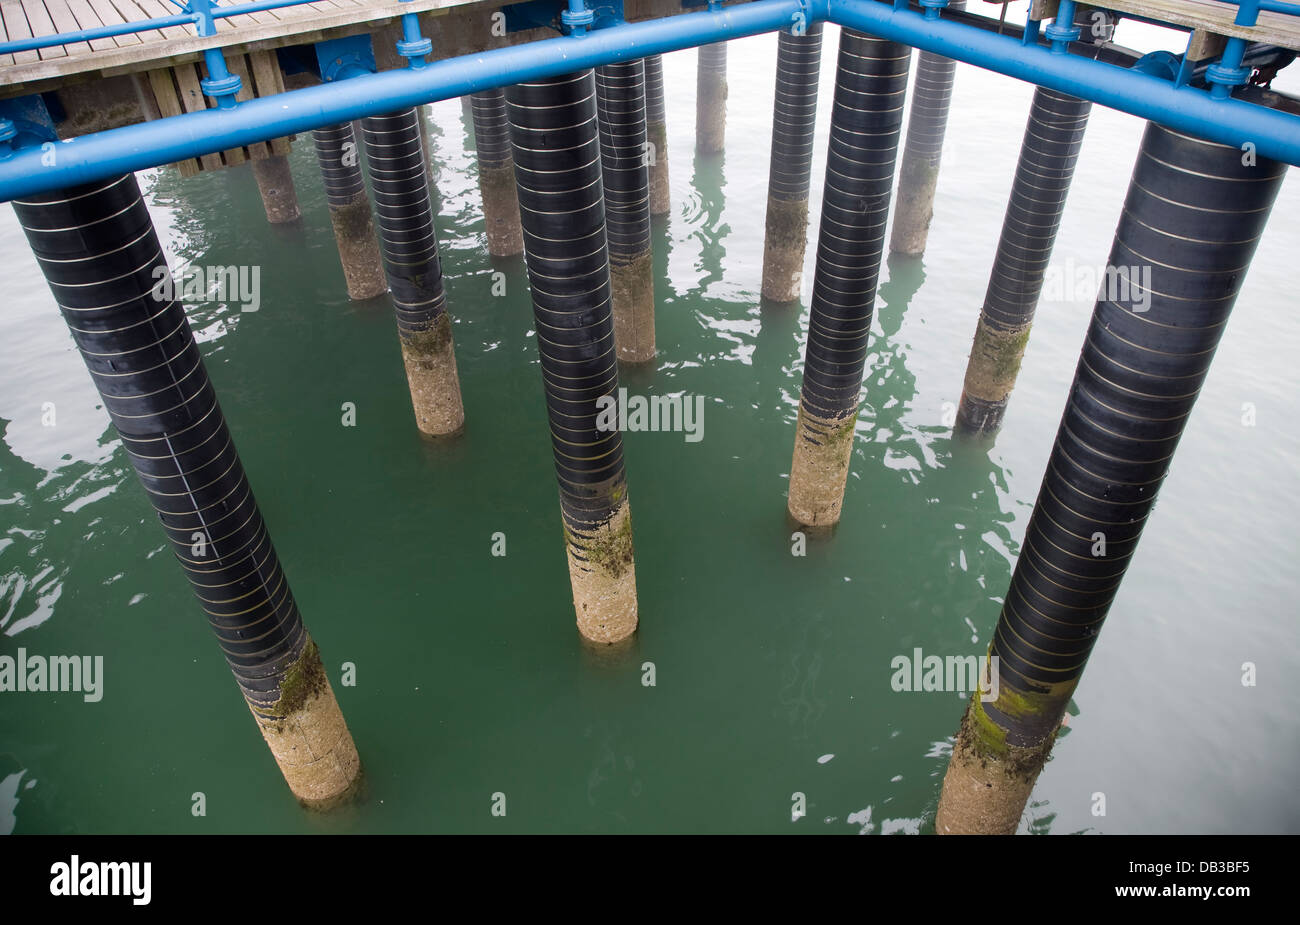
(1210, 114)
(192, 17)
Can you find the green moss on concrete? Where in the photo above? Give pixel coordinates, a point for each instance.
(607, 549)
(353, 220)
(787, 224)
(995, 359)
(425, 346)
(302, 680)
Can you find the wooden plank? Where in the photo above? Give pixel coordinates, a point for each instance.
(87, 18)
(65, 21)
(4, 33)
(239, 65)
(109, 16)
(192, 98)
(4, 30)
(169, 104)
(269, 81)
(39, 20)
(153, 9)
(303, 24)
(132, 13)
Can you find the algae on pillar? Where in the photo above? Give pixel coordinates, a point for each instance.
(1190, 224)
(870, 84)
(99, 252)
(620, 101)
(345, 191)
(656, 124)
(919, 175)
(557, 165)
(496, 174)
(794, 118)
(711, 98)
(275, 183)
(1048, 156)
(399, 177)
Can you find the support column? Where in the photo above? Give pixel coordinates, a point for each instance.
(1189, 227)
(656, 124)
(711, 99)
(1048, 156)
(426, 145)
(345, 191)
(557, 163)
(275, 183)
(496, 174)
(409, 246)
(919, 175)
(620, 101)
(794, 118)
(98, 250)
(870, 87)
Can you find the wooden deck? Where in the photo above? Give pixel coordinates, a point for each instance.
(144, 50)
(313, 21)
(1209, 17)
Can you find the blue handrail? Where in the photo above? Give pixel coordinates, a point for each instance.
(142, 25)
(1192, 110)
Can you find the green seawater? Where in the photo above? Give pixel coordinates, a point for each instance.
(772, 671)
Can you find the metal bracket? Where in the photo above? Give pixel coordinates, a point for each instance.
(24, 123)
(345, 57)
(549, 14)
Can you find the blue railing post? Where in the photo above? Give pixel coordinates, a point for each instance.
(1062, 31)
(414, 47)
(577, 17)
(932, 8)
(1228, 71)
(220, 84)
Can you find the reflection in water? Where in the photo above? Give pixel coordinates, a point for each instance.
(613, 778)
(9, 787)
(798, 697)
(706, 224)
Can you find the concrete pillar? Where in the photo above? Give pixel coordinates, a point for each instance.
(711, 99)
(794, 118)
(275, 183)
(98, 250)
(345, 191)
(399, 178)
(656, 123)
(561, 203)
(870, 86)
(1189, 228)
(620, 101)
(919, 174)
(496, 174)
(1053, 138)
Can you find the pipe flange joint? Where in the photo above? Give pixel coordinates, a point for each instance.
(1060, 32)
(8, 131)
(577, 19)
(415, 50)
(218, 87)
(933, 4)
(1227, 76)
